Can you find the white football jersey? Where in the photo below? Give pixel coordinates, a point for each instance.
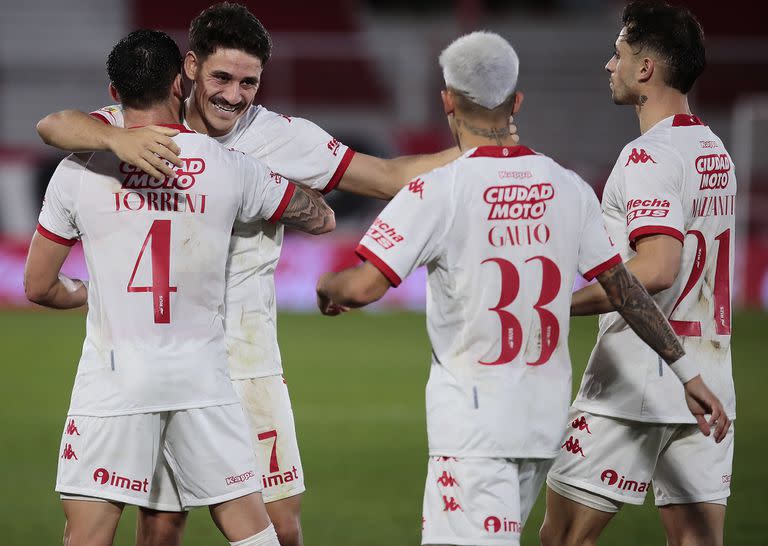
(156, 252)
(678, 180)
(300, 151)
(502, 231)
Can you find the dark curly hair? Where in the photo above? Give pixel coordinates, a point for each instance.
(229, 26)
(673, 33)
(142, 67)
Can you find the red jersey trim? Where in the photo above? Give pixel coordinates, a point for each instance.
(602, 268)
(287, 196)
(340, 170)
(100, 117)
(645, 231)
(685, 120)
(55, 238)
(502, 151)
(366, 255)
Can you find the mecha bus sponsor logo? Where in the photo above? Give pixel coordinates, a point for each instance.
(240, 478)
(611, 477)
(518, 202)
(279, 478)
(647, 208)
(182, 180)
(103, 476)
(713, 169)
(385, 235)
(517, 235)
(494, 524)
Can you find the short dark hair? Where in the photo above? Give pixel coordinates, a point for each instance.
(229, 26)
(673, 33)
(142, 67)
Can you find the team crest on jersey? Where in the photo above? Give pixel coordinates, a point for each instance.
(639, 157)
(135, 178)
(518, 202)
(713, 169)
(385, 235)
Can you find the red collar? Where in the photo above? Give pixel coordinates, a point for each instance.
(502, 151)
(685, 120)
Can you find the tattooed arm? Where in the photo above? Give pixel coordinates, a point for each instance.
(308, 212)
(637, 307)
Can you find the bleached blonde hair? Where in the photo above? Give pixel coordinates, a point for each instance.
(483, 66)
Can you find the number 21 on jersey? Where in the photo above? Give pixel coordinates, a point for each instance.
(159, 239)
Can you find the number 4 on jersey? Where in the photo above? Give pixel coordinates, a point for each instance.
(160, 256)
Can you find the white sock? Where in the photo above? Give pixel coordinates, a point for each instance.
(267, 537)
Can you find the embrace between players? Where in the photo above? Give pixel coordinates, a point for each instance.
(179, 399)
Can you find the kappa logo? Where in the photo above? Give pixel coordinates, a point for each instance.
(71, 429)
(240, 478)
(446, 480)
(417, 186)
(573, 446)
(713, 169)
(69, 453)
(444, 459)
(276, 178)
(103, 476)
(639, 157)
(451, 505)
(581, 424)
(611, 477)
(334, 146)
(289, 118)
(183, 179)
(493, 524)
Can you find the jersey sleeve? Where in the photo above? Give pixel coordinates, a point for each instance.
(597, 253)
(409, 231)
(303, 152)
(652, 176)
(266, 195)
(110, 115)
(57, 217)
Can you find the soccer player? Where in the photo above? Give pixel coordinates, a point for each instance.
(152, 389)
(229, 49)
(502, 231)
(669, 206)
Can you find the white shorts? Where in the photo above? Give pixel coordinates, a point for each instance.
(479, 501)
(167, 461)
(268, 409)
(619, 460)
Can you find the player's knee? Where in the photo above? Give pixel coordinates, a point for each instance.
(156, 530)
(555, 535)
(687, 537)
(288, 530)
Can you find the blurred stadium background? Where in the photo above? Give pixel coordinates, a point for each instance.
(366, 71)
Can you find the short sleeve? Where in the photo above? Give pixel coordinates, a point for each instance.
(652, 176)
(300, 150)
(57, 217)
(409, 231)
(110, 115)
(266, 195)
(597, 253)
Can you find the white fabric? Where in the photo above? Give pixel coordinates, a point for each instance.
(156, 254)
(267, 537)
(117, 458)
(302, 152)
(685, 368)
(502, 232)
(479, 501)
(663, 183)
(621, 460)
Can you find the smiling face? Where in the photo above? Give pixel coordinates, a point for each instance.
(225, 85)
(623, 67)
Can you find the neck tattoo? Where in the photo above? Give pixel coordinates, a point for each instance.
(496, 134)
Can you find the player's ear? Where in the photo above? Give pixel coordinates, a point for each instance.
(113, 93)
(177, 88)
(191, 65)
(646, 68)
(518, 102)
(448, 103)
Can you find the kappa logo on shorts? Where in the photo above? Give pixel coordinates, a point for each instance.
(494, 524)
(726, 478)
(446, 480)
(573, 446)
(69, 453)
(72, 429)
(244, 477)
(451, 505)
(639, 157)
(444, 459)
(581, 424)
(611, 477)
(102, 476)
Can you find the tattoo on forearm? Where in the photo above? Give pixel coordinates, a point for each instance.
(307, 212)
(633, 302)
(497, 134)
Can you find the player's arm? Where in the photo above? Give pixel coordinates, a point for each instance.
(43, 282)
(143, 147)
(628, 296)
(307, 211)
(352, 287)
(655, 265)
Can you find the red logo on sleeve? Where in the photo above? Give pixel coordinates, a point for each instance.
(334, 146)
(647, 208)
(639, 157)
(386, 236)
(417, 186)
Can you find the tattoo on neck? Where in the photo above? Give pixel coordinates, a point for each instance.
(496, 134)
(643, 99)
